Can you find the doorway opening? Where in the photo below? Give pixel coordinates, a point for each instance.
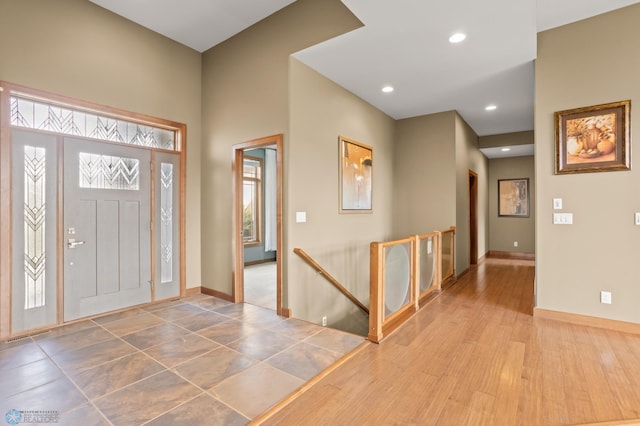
(473, 217)
(257, 213)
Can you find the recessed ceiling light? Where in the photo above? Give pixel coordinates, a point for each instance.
(505, 149)
(491, 108)
(457, 38)
(387, 89)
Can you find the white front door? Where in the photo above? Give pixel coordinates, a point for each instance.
(107, 227)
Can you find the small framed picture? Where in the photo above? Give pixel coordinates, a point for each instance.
(356, 176)
(593, 139)
(513, 197)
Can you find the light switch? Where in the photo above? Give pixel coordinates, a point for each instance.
(563, 218)
(301, 217)
(557, 203)
(637, 218)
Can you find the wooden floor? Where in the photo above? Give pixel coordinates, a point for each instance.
(476, 356)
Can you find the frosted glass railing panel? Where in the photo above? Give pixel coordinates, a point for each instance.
(427, 264)
(397, 275)
(404, 274)
(447, 254)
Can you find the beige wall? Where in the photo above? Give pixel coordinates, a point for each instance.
(245, 97)
(424, 174)
(77, 49)
(503, 231)
(433, 155)
(320, 112)
(469, 157)
(588, 63)
(249, 87)
(506, 139)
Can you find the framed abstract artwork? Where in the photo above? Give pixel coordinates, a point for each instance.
(356, 176)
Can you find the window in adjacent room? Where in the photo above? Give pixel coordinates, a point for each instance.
(252, 200)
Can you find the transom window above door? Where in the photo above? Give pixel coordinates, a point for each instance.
(33, 114)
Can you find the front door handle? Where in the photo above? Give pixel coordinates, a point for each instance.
(73, 243)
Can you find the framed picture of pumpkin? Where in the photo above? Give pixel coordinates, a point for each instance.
(593, 139)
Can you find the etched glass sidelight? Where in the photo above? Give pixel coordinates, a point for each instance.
(35, 205)
(109, 172)
(166, 222)
(52, 118)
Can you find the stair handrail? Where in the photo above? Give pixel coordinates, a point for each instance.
(315, 265)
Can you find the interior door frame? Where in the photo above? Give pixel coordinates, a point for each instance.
(473, 217)
(238, 245)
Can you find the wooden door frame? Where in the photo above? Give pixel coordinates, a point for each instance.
(6, 91)
(473, 217)
(238, 246)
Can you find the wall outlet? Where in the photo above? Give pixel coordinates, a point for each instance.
(605, 297)
(515, 244)
(324, 321)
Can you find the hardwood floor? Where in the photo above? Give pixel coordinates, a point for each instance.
(475, 355)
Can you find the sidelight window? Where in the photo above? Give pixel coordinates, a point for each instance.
(35, 204)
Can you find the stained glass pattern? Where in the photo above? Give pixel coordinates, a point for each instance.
(42, 116)
(35, 256)
(166, 222)
(109, 172)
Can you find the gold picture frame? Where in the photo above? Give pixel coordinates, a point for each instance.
(594, 139)
(355, 177)
(513, 197)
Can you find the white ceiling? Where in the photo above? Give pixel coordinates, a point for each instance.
(199, 24)
(508, 151)
(403, 43)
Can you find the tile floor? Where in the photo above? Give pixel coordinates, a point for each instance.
(197, 361)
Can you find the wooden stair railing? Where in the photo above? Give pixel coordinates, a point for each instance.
(330, 278)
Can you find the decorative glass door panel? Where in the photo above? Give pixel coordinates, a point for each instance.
(34, 223)
(167, 245)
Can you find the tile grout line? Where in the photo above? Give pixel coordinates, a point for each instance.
(73, 382)
(251, 315)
